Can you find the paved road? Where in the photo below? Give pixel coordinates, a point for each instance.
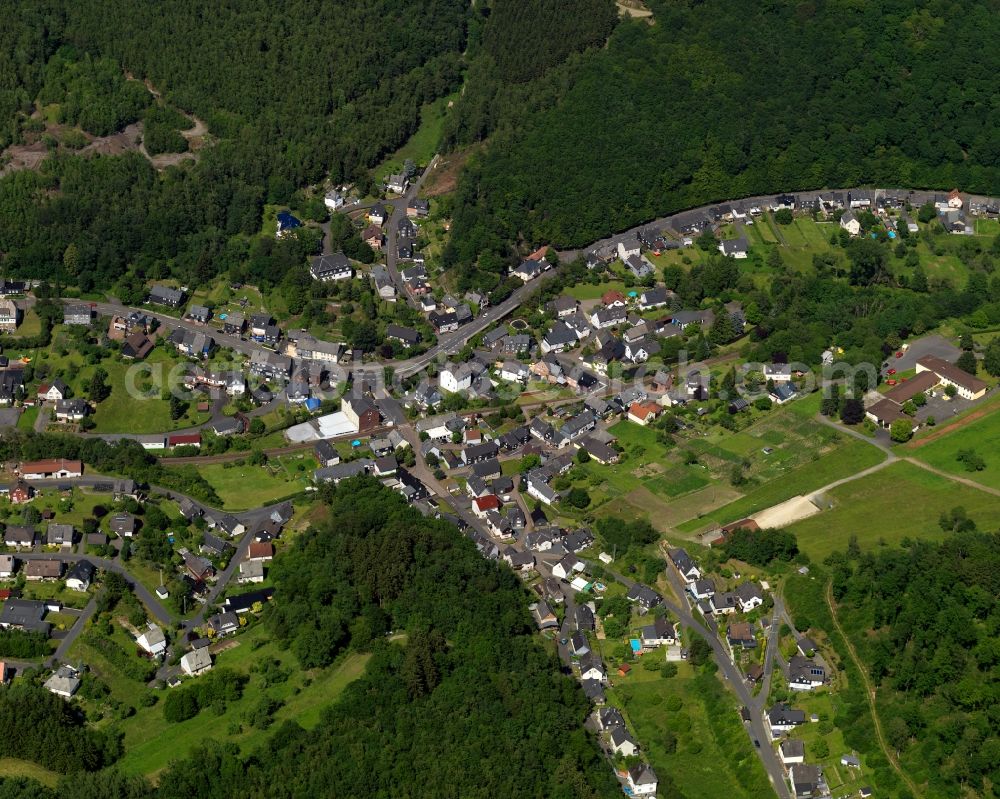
(773, 630)
(61, 651)
(756, 728)
(392, 229)
(673, 223)
(149, 600)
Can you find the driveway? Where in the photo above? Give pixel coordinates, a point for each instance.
(935, 345)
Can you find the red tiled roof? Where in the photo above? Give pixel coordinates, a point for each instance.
(51, 465)
(179, 439)
(488, 502)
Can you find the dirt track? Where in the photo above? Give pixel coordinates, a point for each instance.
(944, 430)
(788, 512)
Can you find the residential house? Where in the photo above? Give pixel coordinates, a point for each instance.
(806, 781)
(343, 471)
(603, 318)
(646, 598)
(251, 571)
(544, 617)
(124, 525)
(7, 566)
(19, 536)
(10, 316)
(641, 780)
(783, 718)
(198, 313)
(643, 412)
(702, 589)
(80, 575)
(42, 569)
(191, 343)
(11, 384)
(660, 633)
(850, 223)
(418, 208)
(152, 640)
(199, 569)
(361, 412)
(333, 200)
(225, 623)
(326, 454)
(397, 183)
(791, 751)
(136, 346)
(610, 717)
(59, 535)
(749, 596)
(740, 634)
(455, 378)
(629, 246)
(196, 662)
(585, 618)
(591, 668)
(71, 410)
(639, 266)
(722, 603)
(372, 236)
(654, 298)
(782, 393)
(24, 614)
(594, 691)
(327, 268)
(559, 338)
(686, 567)
(805, 674)
(287, 224)
(622, 743)
(567, 567)
(475, 453)
(54, 391)
(76, 313)
(164, 295)
(735, 248)
(64, 682)
(406, 336)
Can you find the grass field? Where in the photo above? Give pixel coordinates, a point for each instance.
(714, 757)
(151, 742)
(13, 767)
(851, 457)
(246, 486)
(26, 421)
(897, 502)
(979, 436)
(124, 413)
(422, 145)
(589, 291)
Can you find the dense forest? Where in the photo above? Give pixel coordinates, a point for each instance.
(42, 727)
(719, 99)
(319, 89)
(461, 699)
(925, 619)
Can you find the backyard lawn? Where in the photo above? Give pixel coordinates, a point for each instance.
(900, 501)
(422, 145)
(127, 412)
(713, 756)
(151, 742)
(246, 486)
